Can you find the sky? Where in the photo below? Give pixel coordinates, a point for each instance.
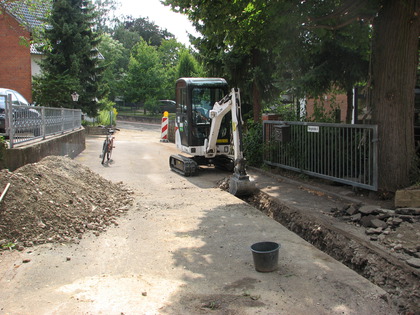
(159, 14)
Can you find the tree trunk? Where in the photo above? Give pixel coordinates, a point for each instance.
(395, 59)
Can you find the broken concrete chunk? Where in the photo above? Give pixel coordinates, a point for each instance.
(369, 209)
(414, 262)
(366, 221)
(394, 221)
(373, 231)
(356, 217)
(351, 210)
(378, 223)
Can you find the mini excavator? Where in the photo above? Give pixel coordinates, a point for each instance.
(208, 127)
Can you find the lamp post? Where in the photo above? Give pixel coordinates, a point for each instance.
(75, 96)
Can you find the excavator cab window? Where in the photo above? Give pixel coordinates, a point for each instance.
(203, 99)
(195, 97)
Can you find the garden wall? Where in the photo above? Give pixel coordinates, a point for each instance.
(69, 144)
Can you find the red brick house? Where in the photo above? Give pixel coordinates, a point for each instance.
(16, 24)
(330, 103)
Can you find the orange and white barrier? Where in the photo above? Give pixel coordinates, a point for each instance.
(164, 134)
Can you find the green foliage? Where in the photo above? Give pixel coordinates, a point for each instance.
(265, 47)
(127, 38)
(9, 245)
(115, 66)
(145, 78)
(151, 105)
(107, 117)
(54, 90)
(188, 65)
(130, 30)
(169, 52)
(106, 104)
(287, 111)
(237, 43)
(253, 144)
(72, 62)
(104, 18)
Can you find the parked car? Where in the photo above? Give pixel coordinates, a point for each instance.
(17, 99)
(166, 106)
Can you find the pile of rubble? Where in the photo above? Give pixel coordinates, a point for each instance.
(398, 230)
(57, 200)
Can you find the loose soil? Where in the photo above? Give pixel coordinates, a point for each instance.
(57, 200)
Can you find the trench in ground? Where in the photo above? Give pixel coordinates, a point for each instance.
(400, 281)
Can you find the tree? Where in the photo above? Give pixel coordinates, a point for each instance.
(188, 65)
(135, 33)
(395, 62)
(131, 28)
(72, 63)
(169, 52)
(115, 66)
(145, 78)
(103, 18)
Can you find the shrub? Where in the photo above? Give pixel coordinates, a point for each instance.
(253, 143)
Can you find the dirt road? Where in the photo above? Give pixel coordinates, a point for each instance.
(182, 249)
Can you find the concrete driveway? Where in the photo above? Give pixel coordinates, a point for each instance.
(184, 248)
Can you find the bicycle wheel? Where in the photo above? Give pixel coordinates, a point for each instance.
(104, 150)
(110, 145)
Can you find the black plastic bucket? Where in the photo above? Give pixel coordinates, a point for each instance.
(266, 256)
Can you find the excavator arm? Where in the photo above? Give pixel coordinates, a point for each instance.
(239, 183)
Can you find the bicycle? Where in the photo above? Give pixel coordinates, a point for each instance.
(108, 145)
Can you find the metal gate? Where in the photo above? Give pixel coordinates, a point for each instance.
(339, 152)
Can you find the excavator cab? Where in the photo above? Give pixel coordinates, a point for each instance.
(195, 98)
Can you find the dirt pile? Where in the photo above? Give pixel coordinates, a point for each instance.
(57, 200)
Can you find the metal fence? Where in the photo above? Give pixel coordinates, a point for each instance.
(338, 152)
(26, 123)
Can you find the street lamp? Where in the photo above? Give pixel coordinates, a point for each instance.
(75, 96)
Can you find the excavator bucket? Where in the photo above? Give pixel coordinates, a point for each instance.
(240, 185)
